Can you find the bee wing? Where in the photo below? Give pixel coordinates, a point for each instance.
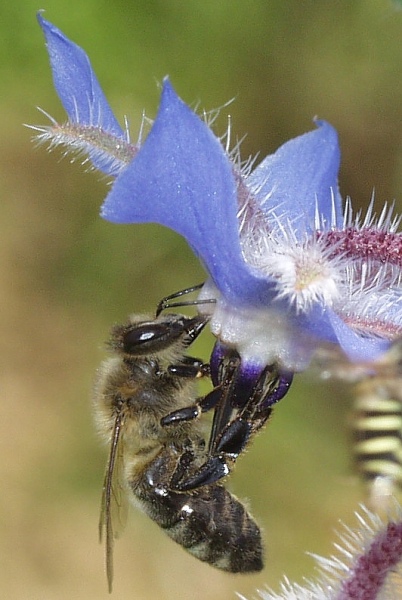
(114, 506)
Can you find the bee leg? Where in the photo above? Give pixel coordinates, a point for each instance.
(192, 368)
(213, 470)
(188, 413)
(272, 385)
(183, 466)
(231, 441)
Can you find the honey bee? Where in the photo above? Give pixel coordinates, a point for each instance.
(147, 411)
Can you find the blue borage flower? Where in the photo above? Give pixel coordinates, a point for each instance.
(290, 271)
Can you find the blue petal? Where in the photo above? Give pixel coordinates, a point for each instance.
(300, 176)
(357, 347)
(326, 325)
(78, 87)
(181, 178)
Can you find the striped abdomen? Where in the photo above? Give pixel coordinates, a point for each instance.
(209, 522)
(377, 428)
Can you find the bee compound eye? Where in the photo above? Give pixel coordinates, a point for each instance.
(142, 338)
(151, 337)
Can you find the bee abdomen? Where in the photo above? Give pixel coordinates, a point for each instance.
(210, 523)
(216, 528)
(377, 431)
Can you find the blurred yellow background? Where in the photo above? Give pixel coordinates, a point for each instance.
(67, 276)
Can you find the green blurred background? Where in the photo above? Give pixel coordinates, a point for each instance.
(67, 276)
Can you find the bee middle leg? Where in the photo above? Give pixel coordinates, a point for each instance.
(192, 368)
(193, 411)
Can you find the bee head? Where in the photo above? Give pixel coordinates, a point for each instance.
(140, 337)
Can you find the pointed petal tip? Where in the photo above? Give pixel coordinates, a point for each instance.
(169, 94)
(39, 17)
(327, 143)
(47, 27)
(41, 20)
(327, 130)
(167, 88)
(321, 122)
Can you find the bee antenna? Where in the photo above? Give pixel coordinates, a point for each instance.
(165, 302)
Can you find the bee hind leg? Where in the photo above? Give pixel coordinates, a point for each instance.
(213, 470)
(232, 442)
